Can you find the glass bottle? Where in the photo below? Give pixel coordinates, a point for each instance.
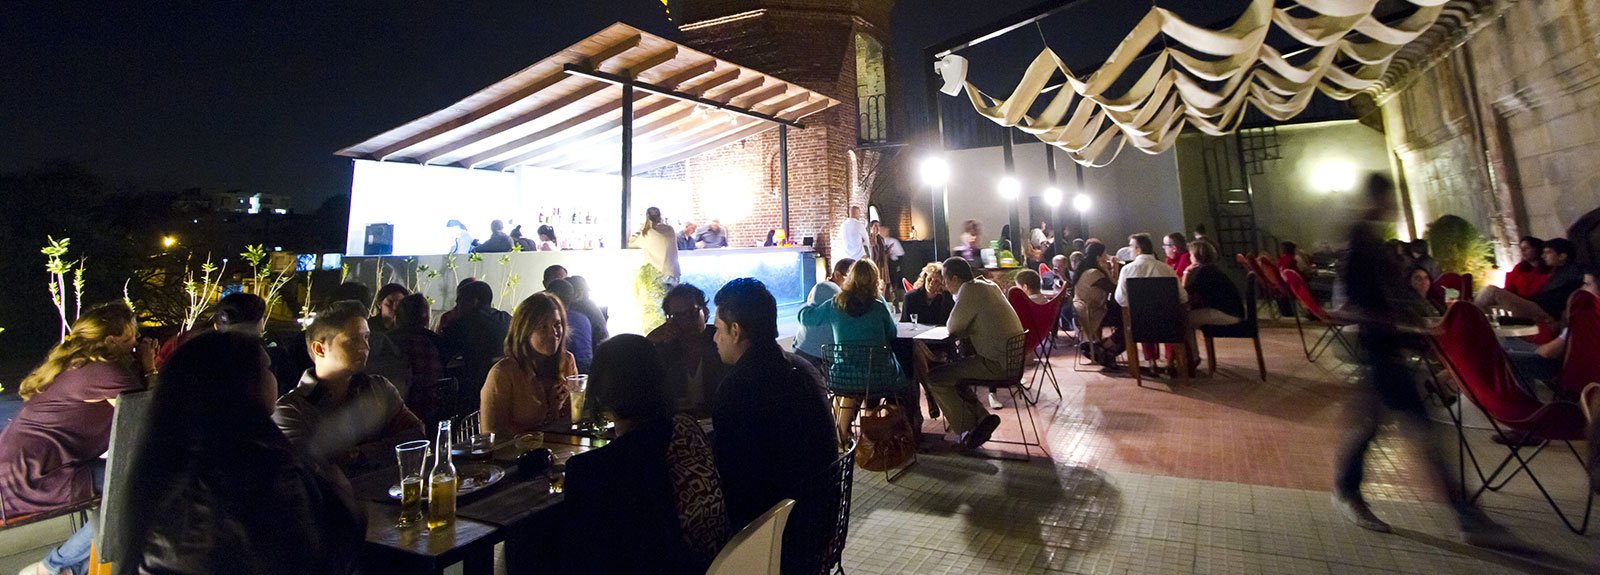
(442, 482)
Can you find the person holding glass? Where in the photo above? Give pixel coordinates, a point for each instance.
(655, 486)
(526, 390)
(220, 489)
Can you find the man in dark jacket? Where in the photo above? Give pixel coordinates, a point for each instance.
(773, 428)
(476, 337)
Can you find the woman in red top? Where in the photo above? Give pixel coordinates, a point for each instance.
(1177, 248)
(1530, 274)
(1288, 259)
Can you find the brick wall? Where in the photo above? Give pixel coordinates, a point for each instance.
(810, 43)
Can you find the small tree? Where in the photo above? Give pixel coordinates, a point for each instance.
(59, 268)
(267, 285)
(1458, 247)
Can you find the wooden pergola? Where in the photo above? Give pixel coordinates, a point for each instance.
(656, 101)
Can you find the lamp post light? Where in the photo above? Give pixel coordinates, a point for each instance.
(1010, 188)
(936, 175)
(1081, 203)
(1052, 197)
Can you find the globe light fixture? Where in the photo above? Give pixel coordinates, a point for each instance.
(1334, 176)
(1081, 202)
(1010, 188)
(935, 171)
(1052, 196)
(168, 241)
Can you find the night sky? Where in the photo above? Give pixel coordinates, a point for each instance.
(258, 95)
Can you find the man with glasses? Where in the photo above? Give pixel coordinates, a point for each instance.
(686, 346)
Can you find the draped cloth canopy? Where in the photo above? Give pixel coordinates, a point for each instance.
(1204, 77)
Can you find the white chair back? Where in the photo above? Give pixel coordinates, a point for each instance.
(758, 548)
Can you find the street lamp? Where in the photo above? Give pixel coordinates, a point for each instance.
(935, 172)
(168, 241)
(1010, 188)
(1052, 197)
(1080, 202)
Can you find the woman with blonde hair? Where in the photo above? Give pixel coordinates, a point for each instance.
(928, 301)
(50, 454)
(859, 317)
(526, 391)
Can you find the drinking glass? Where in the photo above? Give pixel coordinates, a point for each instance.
(914, 319)
(411, 455)
(577, 389)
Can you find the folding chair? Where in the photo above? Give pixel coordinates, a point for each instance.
(1333, 327)
(1272, 278)
(865, 374)
(1580, 367)
(1039, 321)
(1249, 329)
(1012, 382)
(1474, 356)
(1462, 283)
(1154, 315)
(905, 283)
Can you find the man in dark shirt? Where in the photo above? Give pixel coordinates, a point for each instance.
(773, 427)
(689, 350)
(1374, 292)
(713, 236)
(476, 337)
(687, 237)
(1551, 301)
(498, 240)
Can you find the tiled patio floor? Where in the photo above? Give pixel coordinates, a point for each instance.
(1223, 475)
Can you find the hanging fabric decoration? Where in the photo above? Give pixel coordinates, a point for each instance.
(1199, 76)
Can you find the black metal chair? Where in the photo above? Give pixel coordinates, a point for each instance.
(864, 374)
(1013, 382)
(1249, 329)
(838, 480)
(1154, 315)
(463, 429)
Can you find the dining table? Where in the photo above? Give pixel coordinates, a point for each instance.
(483, 518)
(920, 332)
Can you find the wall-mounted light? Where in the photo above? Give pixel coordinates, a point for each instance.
(1052, 196)
(1010, 188)
(1081, 202)
(1333, 175)
(935, 171)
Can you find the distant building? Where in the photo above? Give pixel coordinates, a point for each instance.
(235, 201)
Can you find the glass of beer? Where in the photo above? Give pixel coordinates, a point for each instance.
(577, 388)
(411, 455)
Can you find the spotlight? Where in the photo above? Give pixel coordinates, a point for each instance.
(935, 172)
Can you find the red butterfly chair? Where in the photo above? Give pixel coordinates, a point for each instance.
(1333, 327)
(1462, 283)
(1248, 264)
(1579, 368)
(1039, 321)
(1276, 291)
(1474, 356)
(907, 284)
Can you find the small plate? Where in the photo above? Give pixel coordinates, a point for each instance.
(472, 477)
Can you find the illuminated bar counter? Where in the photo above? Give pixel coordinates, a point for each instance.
(612, 274)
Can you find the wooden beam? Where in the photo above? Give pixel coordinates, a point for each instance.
(796, 114)
(709, 144)
(729, 93)
(777, 107)
(536, 137)
(598, 58)
(715, 80)
(758, 96)
(552, 144)
(678, 78)
(641, 131)
(658, 58)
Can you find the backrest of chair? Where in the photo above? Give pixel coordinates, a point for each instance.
(1251, 286)
(464, 428)
(758, 548)
(854, 368)
(1473, 354)
(1269, 271)
(128, 424)
(1041, 320)
(1019, 303)
(905, 283)
(1297, 286)
(1016, 347)
(1155, 314)
(1580, 366)
(838, 480)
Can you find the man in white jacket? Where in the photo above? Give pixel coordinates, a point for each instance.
(853, 236)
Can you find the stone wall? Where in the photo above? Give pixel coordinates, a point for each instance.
(1505, 129)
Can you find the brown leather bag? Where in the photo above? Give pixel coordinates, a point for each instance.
(887, 440)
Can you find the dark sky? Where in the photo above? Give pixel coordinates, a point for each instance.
(258, 95)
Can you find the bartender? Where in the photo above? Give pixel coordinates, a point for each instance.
(713, 236)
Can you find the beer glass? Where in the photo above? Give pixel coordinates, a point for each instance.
(411, 455)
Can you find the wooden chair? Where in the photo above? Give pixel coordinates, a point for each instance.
(1012, 381)
(1249, 329)
(758, 548)
(1154, 315)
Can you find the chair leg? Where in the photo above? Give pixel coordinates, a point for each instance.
(1261, 360)
(1181, 355)
(1302, 331)
(1211, 355)
(1134, 361)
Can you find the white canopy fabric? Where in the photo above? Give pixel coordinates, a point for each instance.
(1347, 51)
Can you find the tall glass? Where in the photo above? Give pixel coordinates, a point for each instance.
(442, 482)
(411, 455)
(577, 389)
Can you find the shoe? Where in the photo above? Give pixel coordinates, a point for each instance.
(993, 402)
(981, 434)
(1359, 513)
(1477, 530)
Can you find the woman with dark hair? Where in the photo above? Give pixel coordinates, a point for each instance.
(1091, 301)
(1421, 284)
(527, 391)
(1289, 258)
(50, 453)
(519, 243)
(1177, 253)
(420, 346)
(1213, 299)
(1531, 273)
(547, 239)
(654, 486)
(388, 297)
(219, 488)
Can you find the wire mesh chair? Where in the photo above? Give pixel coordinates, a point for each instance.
(1012, 381)
(838, 479)
(463, 429)
(865, 374)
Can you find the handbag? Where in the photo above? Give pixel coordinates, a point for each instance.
(887, 440)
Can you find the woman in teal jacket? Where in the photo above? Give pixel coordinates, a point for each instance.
(859, 316)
